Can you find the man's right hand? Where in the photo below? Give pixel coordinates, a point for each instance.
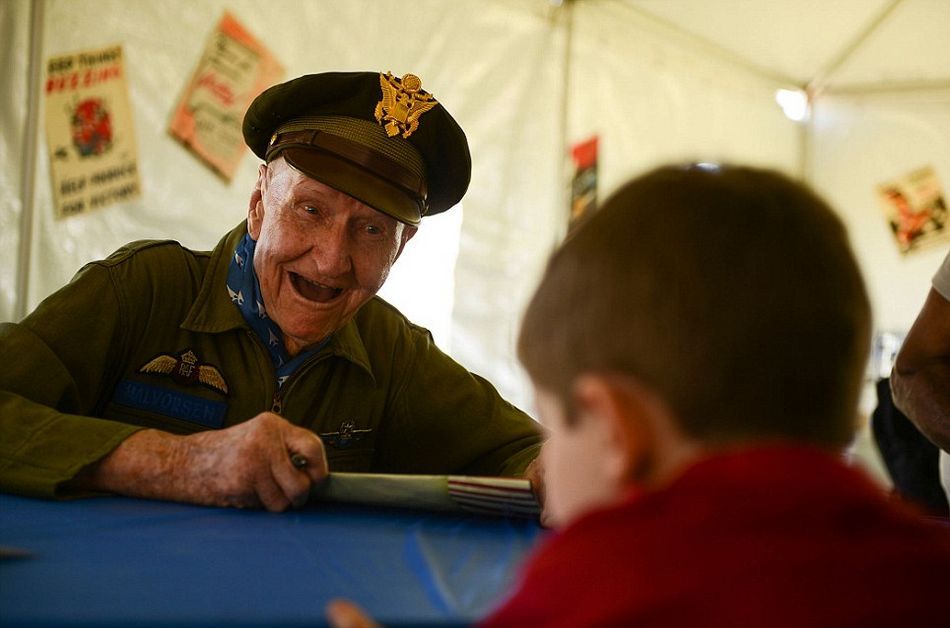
(245, 466)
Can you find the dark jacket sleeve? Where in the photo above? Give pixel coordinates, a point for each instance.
(446, 419)
(54, 366)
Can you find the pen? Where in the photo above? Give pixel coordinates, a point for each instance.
(298, 460)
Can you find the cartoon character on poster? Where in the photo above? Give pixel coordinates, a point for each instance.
(916, 209)
(91, 127)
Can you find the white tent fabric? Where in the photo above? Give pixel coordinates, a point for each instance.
(496, 65)
(655, 80)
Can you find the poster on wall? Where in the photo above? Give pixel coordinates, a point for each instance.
(234, 68)
(916, 209)
(89, 133)
(583, 181)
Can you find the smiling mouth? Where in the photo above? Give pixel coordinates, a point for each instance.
(314, 291)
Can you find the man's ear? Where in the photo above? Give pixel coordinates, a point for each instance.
(407, 232)
(255, 207)
(619, 415)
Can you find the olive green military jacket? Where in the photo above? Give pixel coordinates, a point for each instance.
(150, 338)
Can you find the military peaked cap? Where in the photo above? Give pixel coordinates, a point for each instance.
(379, 138)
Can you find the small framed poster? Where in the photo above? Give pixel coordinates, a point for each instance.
(916, 209)
(583, 181)
(89, 132)
(233, 70)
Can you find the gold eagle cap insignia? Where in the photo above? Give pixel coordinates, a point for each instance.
(402, 104)
(187, 369)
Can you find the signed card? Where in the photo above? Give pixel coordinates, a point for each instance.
(506, 497)
(233, 70)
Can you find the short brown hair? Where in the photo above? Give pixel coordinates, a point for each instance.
(731, 291)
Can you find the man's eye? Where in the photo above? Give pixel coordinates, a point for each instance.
(310, 209)
(373, 230)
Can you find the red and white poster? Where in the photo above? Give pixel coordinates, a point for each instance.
(233, 70)
(916, 209)
(89, 132)
(584, 180)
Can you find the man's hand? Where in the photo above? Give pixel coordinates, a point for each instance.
(246, 466)
(534, 473)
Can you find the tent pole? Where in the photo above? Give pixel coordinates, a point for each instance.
(893, 87)
(817, 83)
(566, 9)
(804, 156)
(707, 46)
(28, 178)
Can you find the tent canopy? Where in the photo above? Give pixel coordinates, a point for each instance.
(654, 80)
(839, 46)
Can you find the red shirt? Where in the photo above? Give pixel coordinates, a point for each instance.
(773, 536)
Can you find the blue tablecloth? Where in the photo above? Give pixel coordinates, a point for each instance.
(117, 561)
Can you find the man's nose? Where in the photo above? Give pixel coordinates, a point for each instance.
(332, 252)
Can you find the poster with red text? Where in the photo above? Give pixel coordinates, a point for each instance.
(583, 181)
(233, 70)
(916, 209)
(93, 156)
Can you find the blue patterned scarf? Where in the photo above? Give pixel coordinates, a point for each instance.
(245, 292)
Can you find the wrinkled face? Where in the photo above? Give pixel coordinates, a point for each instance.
(320, 254)
(575, 478)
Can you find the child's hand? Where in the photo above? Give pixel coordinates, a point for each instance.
(346, 614)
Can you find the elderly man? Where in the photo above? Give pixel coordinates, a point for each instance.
(166, 373)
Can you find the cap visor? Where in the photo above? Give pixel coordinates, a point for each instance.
(357, 182)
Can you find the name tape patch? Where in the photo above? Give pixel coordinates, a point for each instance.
(171, 403)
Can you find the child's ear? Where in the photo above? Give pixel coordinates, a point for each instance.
(618, 412)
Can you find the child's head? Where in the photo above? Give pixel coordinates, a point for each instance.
(703, 307)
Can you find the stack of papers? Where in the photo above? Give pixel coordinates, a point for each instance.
(506, 497)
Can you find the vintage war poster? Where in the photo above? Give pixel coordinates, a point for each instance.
(89, 132)
(233, 70)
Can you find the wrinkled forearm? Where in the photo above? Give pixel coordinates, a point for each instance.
(923, 394)
(146, 464)
(247, 466)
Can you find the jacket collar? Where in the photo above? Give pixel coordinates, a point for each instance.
(213, 313)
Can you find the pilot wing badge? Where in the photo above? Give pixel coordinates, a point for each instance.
(187, 369)
(347, 434)
(402, 105)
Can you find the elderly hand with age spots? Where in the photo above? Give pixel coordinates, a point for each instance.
(245, 466)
